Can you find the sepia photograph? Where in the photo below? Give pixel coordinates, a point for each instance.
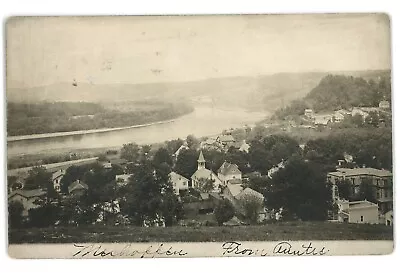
(199, 135)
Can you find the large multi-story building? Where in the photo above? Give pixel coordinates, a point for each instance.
(381, 182)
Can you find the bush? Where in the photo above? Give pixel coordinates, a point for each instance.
(224, 211)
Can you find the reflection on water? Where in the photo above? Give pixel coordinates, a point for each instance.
(203, 121)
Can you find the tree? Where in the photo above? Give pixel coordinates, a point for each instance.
(130, 152)
(173, 145)
(259, 157)
(366, 191)
(241, 159)
(298, 186)
(44, 216)
(205, 185)
(170, 207)
(162, 156)
(224, 211)
(192, 142)
(344, 189)
(143, 198)
(186, 164)
(357, 120)
(145, 151)
(251, 206)
(13, 183)
(372, 119)
(15, 210)
(72, 174)
(39, 178)
(258, 183)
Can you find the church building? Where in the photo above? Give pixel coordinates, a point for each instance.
(203, 174)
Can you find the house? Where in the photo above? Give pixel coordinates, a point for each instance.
(244, 147)
(210, 143)
(384, 104)
(122, 179)
(179, 182)
(179, 150)
(309, 113)
(56, 178)
(238, 196)
(276, 168)
(322, 119)
(204, 174)
(228, 172)
(29, 199)
(381, 183)
(357, 111)
(107, 165)
(363, 212)
(389, 218)
(226, 140)
(77, 188)
(340, 115)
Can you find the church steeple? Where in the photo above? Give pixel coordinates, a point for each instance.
(201, 163)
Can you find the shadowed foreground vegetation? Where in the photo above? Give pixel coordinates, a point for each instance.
(269, 232)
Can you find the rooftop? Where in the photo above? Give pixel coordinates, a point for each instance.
(77, 185)
(226, 138)
(28, 193)
(361, 171)
(229, 168)
(176, 176)
(235, 189)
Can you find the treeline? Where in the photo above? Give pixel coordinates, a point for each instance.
(27, 119)
(340, 92)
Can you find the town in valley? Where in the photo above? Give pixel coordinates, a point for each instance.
(150, 148)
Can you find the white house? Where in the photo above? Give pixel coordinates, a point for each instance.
(309, 113)
(244, 147)
(228, 172)
(204, 174)
(322, 119)
(226, 140)
(276, 168)
(363, 212)
(384, 104)
(179, 150)
(389, 218)
(56, 178)
(122, 179)
(28, 198)
(179, 182)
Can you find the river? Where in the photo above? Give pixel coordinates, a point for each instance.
(203, 121)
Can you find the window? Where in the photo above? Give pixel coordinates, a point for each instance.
(184, 183)
(362, 218)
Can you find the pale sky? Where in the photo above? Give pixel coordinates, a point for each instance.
(42, 51)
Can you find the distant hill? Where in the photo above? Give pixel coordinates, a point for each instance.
(343, 91)
(263, 92)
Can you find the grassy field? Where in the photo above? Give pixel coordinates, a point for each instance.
(270, 232)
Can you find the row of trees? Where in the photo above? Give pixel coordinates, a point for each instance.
(26, 119)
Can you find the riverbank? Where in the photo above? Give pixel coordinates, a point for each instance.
(53, 166)
(83, 132)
